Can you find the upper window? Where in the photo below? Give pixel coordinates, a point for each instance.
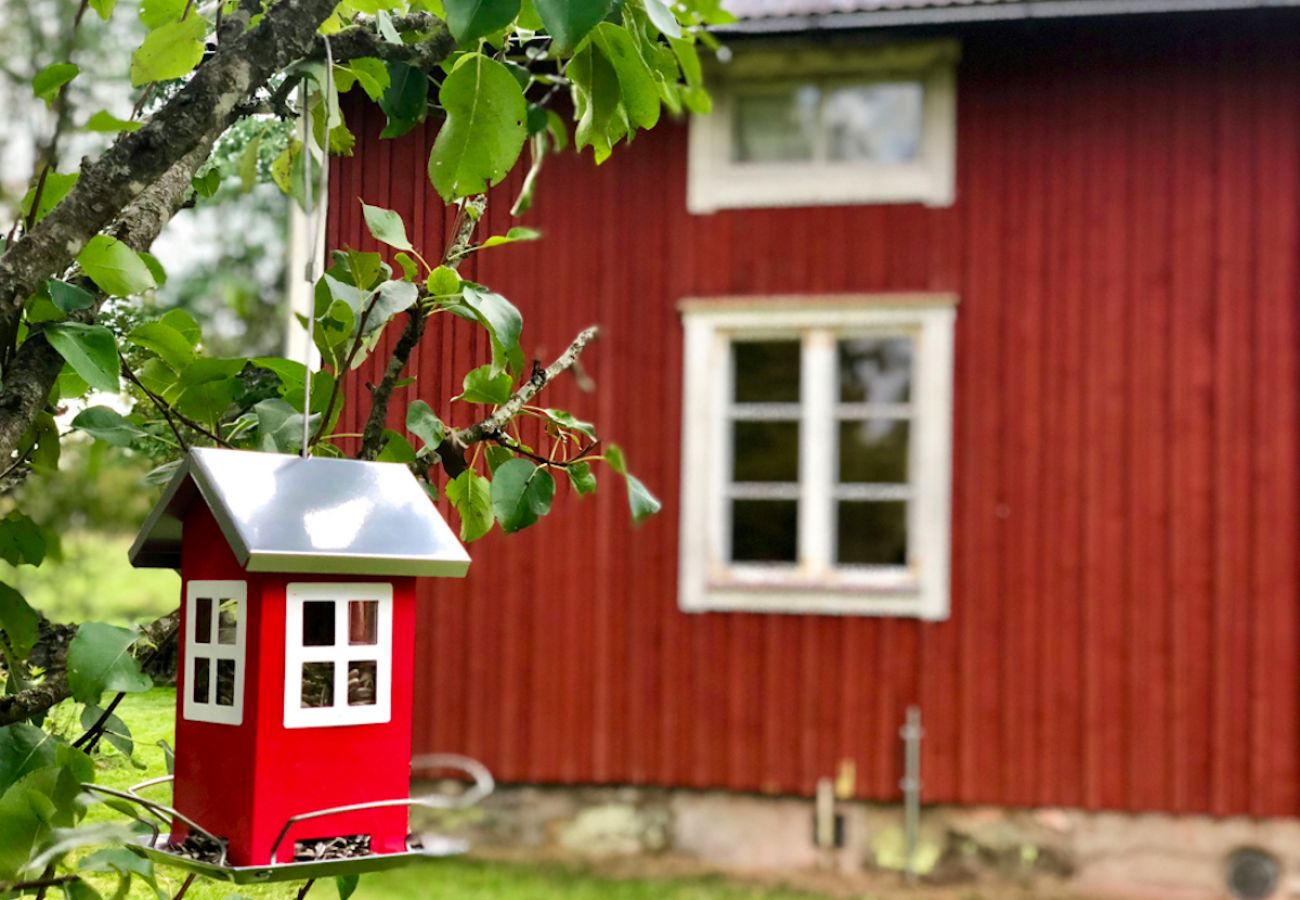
(338, 654)
(215, 617)
(816, 462)
(802, 129)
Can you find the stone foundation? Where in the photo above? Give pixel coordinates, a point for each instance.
(1096, 854)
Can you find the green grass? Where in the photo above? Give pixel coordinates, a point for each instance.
(150, 717)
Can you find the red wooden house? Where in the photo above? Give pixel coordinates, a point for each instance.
(961, 345)
(297, 645)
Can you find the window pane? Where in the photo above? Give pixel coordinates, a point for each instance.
(202, 680)
(876, 370)
(227, 618)
(766, 371)
(776, 127)
(874, 451)
(871, 533)
(225, 682)
(362, 678)
(317, 684)
(318, 623)
(203, 620)
(764, 530)
(765, 451)
(874, 122)
(363, 622)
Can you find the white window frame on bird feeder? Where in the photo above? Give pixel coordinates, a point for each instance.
(341, 653)
(213, 651)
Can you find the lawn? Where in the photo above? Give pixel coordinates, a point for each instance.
(150, 717)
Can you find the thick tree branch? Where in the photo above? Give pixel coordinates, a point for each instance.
(360, 41)
(30, 378)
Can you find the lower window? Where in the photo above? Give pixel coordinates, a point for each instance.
(337, 654)
(816, 455)
(215, 621)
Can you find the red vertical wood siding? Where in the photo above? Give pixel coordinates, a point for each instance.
(1124, 624)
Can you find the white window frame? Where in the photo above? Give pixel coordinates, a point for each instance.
(708, 580)
(716, 182)
(340, 653)
(197, 711)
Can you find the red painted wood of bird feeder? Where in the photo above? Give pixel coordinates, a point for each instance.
(296, 651)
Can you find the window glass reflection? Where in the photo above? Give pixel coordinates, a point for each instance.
(874, 451)
(318, 623)
(363, 677)
(766, 371)
(765, 451)
(875, 370)
(872, 533)
(317, 684)
(776, 127)
(874, 122)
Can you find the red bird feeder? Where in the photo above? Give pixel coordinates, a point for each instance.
(296, 663)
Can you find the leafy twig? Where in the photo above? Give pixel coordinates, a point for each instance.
(168, 410)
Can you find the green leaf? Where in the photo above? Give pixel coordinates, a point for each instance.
(126, 864)
(115, 730)
(518, 233)
(21, 540)
(23, 748)
(51, 79)
(410, 271)
(107, 123)
(502, 320)
(497, 456)
(422, 422)
(103, 8)
(69, 297)
(99, 660)
(443, 282)
(582, 478)
(484, 132)
(639, 94)
(640, 500)
(279, 426)
(521, 492)
(154, 13)
(386, 226)
(108, 425)
(471, 496)
(91, 350)
(372, 75)
(396, 448)
(165, 342)
(405, 101)
(566, 419)
(183, 322)
(346, 884)
(614, 456)
(207, 184)
(472, 19)
(20, 622)
(661, 15)
(169, 51)
(569, 21)
(56, 188)
(597, 106)
(391, 298)
(482, 386)
(115, 267)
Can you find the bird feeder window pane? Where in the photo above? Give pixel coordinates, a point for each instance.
(318, 623)
(203, 620)
(317, 683)
(225, 682)
(362, 679)
(202, 679)
(227, 620)
(363, 622)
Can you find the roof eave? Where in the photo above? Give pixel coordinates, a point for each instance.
(973, 13)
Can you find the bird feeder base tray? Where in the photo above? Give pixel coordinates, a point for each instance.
(434, 847)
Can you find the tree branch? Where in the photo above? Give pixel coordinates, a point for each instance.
(52, 652)
(493, 425)
(358, 41)
(373, 432)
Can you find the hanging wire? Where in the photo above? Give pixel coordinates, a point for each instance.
(314, 213)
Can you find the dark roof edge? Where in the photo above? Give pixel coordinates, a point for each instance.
(997, 12)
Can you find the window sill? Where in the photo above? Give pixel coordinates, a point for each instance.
(802, 597)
